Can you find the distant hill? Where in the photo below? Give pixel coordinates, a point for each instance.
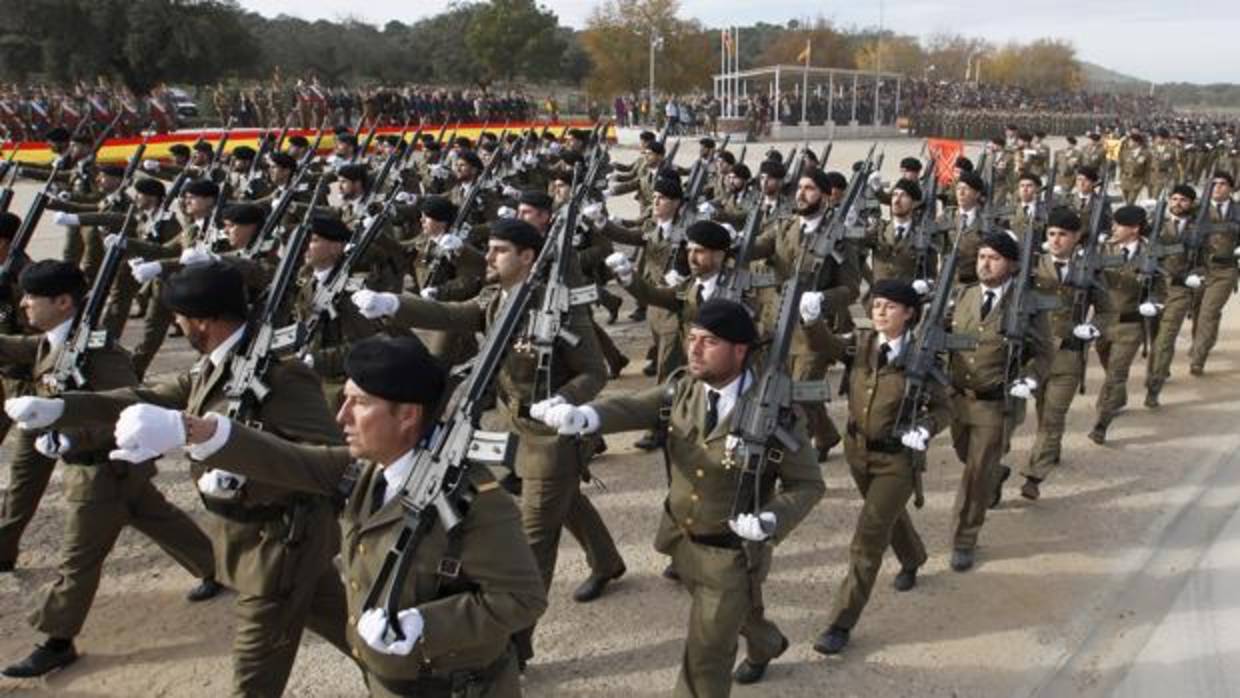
(1097, 76)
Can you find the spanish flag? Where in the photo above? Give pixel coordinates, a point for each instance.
(803, 57)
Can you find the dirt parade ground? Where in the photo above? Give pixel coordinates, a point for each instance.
(1066, 598)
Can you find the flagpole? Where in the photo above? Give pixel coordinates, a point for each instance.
(805, 93)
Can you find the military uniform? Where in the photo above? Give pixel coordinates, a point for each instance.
(551, 467)
(1177, 302)
(1134, 170)
(333, 337)
(272, 545)
(964, 229)
(102, 497)
(473, 588)
(722, 573)
(893, 254)
(1165, 168)
(1220, 275)
(29, 470)
(981, 422)
(656, 249)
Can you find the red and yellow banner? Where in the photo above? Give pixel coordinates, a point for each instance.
(121, 149)
(943, 154)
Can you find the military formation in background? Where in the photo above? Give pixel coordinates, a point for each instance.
(403, 348)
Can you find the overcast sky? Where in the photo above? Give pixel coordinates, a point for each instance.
(1157, 40)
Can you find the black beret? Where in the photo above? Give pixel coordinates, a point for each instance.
(340, 130)
(742, 171)
(1065, 218)
(1088, 172)
(283, 160)
(1163, 132)
(354, 172)
(112, 170)
(9, 223)
(537, 199)
(488, 146)
(348, 138)
(203, 187)
(835, 180)
(570, 157)
(213, 289)
(1028, 176)
(648, 136)
(244, 152)
(562, 174)
(432, 146)
(897, 290)
(1185, 190)
(518, 232)
(657, 148)
(438, 208)
(83, 138)
(964, 164)
(56, 135)
(48, 278)
(728, 157)
(775, 155)
(579, 134)
(299, 141)
(710, 235)
(1002, 243)
(1071, 140)
(707, 142)
(727, 320)
(391, 140)
(1226, 177)
(973, 181)
(151, 187)
(330, 228)
(669, 187)
(1129, 215)
(773, 169)
(1094, 135)
(245, 214)
(472, 158)
(911, 164)
(204, 147)
(908, 186)
(179, 149)
(398, 369)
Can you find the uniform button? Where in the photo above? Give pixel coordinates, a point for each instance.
(701, 473)
(688, 522)
(356, 654)
(352, 620)
(693, 496)
(361, 548)
(352, 584)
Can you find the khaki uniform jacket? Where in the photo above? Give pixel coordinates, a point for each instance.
(1123, 283)
(469, 619)
(896, 259)
(1218, 252)
(251, 557)
(652, 264)
(334, 336)
(968, 238)
(465, 272)
(577, 374)
(1060, 320)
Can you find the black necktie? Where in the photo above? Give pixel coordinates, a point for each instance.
(1059, 267)
(900, 230)
(988, 303)
(884, 353)
(701, 293)
(378, 492)
(1126, 255)
(712, 410)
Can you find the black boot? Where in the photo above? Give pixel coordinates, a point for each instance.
(54, 654)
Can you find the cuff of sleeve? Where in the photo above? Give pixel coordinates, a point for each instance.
(208, 448)
(592, 419)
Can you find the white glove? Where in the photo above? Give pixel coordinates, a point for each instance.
(110, 239)
(1148, 309)
(146, 431)
(511, 192)
(530, 159)
(308, 359)
(538, 410)
(921, 286)
(52, 444)
(196, 255)
(429, 293)
(64, 196)
(915, 438)
(621, 266)
(505, 212)
(1023, 388)
(143, 271)
(34, 412)
(220, 484)
(440, 171)
(374, 305)
(373, 628)
(1086, 332)
(732, 232)
(570, 420)
(1059, 190)
(875, 181)
(596, 212)
(755, 528)
(406, 197)
(448, 244)
(150, 165)
(811, 306)
(706, 209)
(1193, 281)
(1236, 252)
(66, 219)
(673, 278)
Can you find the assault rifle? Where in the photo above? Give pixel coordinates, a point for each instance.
(21, 239)
(736, 281)
(8, 169)
(1085, 267)
(1150, 267)
(1025, 304)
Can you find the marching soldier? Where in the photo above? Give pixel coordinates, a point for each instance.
(469, 589)
(880, 463)
(102, 496)
(550, 466)
(1182, 281)
(722, 560)
(1134, 167)
(446, 268)
(274, 546)
(982, 383)
(1071, 330)
(964, 225)
(1218, 269)
(1132, 309)
(1165, 163)
(892, 241)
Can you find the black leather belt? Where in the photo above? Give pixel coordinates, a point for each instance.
(889, 445)
(985, 395)
(449, 685)
(243, 514)
(1072, 344)
(1130, 317)
(728, 541)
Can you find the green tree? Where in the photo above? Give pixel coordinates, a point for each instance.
(617, 39)
(511, 38)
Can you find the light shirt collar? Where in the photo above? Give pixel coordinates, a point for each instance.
(58, 335)
(895, 345)
(396, 474)
(320, 275)
(220, 353)
(729, 393)
(708, 285)
(997, 290)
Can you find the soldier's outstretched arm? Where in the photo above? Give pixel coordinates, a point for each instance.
(630, 412)
(466, 316)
